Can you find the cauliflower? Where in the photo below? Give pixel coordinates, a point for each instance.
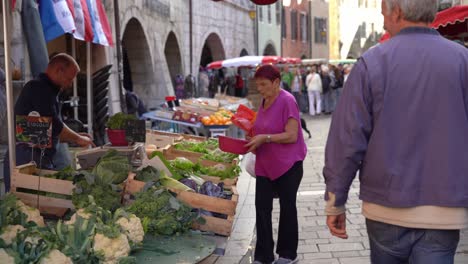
(112, 248)
(81, 213)
(9, 234)
(33, 214)
(55, 257)
(132, 228)
(5, 258)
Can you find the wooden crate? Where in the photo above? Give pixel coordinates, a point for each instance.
(177, 137)
(171, 153)
(218, 205)
(23, 178)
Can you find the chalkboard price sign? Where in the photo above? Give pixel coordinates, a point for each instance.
(136, 131)
(34, 130)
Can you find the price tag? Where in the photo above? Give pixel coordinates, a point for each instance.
(34, 130)
(136, 131)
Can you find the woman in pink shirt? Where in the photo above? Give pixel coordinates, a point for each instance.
(280, 150)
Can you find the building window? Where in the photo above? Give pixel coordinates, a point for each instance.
(260, 13)
(283, 23)
(269, 14)
(293, 24)
(278, 13)
(320, 30)
(304, 28)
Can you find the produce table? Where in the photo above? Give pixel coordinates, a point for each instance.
(151, 116)
(214, 130)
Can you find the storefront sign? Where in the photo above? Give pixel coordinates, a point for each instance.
(35, 130)
(136, 131)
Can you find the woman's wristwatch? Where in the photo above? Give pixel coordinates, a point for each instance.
(268, 138)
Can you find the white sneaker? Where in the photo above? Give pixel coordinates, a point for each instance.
(286, 261)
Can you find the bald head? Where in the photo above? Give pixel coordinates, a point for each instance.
(62, 69)
(63, 60)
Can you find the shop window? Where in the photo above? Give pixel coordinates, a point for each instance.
(269, 14)
(293, 24)
(283, 23)
(320, 30)
(278, 12)
(304, 27)
(260, 13)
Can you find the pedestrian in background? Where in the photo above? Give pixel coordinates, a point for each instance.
(280, 150)
(326, 90)
(287, 77)
(402, 123)
(314, 90)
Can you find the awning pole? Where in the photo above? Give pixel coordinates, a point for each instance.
(9, 84)
(89, 90)
(75, 81)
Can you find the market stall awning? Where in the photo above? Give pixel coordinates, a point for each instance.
(289, 60)
(245, 61)
(452, 21)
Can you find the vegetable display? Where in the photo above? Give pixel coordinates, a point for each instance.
(119, 121)
(162, 213)
(105, 195)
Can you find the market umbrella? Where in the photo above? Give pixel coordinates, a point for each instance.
(452, 22)
(245, 61)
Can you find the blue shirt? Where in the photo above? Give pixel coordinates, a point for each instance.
(402, 121)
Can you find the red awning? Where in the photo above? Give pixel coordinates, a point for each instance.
(452, 21)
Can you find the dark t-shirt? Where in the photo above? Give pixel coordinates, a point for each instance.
(40, 95)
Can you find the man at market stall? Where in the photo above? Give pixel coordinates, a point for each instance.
(40, 96)
(402, 122)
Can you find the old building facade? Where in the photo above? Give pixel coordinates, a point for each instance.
(295, 30)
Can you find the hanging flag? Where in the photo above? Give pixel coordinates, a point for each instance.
(84, 29)
(70, 6)
(100, 23)
(56, 18)
(105, 22)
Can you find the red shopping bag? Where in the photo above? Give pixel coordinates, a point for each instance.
(244, 118)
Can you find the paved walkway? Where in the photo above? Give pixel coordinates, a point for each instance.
(316, 245)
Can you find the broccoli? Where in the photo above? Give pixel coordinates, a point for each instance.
(162, 213)
(103, 194)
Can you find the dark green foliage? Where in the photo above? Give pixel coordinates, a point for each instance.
(148, 174)
(104, 194)
(162, 213)
(119, 121)
(10, 214)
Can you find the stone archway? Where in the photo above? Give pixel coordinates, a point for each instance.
(138, 67)
(213, 50)
(173, 57)
(269, 50)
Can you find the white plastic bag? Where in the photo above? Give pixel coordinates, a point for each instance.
(250, 163)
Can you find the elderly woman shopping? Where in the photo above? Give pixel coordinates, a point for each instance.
(280, 150)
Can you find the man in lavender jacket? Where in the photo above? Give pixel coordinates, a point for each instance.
(402, 122)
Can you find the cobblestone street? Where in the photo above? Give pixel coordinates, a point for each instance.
(316, 245)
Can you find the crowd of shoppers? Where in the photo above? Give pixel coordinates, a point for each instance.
(316, 88)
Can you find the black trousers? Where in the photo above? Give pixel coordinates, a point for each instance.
(286, 187)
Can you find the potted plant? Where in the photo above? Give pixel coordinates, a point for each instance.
(116, 126)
